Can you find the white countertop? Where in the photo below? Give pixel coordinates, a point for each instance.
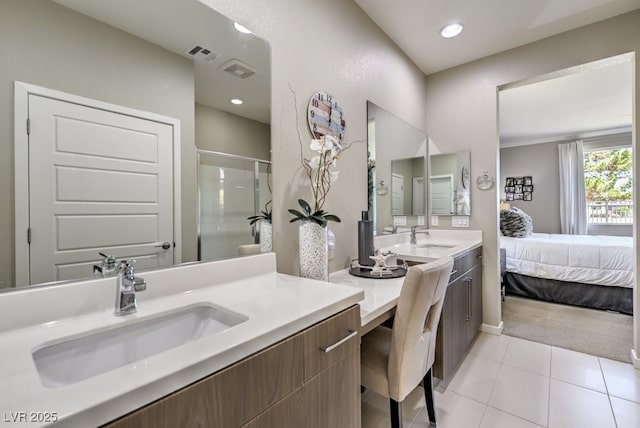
(381, 294)
(457, 241)
(277, 306)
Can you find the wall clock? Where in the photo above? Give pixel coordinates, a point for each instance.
(325, 116)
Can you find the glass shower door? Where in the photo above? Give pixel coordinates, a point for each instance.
(230, 189)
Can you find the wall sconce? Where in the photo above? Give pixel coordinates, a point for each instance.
(485, 181)
(382, 188)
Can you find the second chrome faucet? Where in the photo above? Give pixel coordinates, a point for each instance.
(127, 287)
(414, 232)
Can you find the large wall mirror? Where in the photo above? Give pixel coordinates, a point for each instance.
(396, 160)
(450, 184)
(144, 64)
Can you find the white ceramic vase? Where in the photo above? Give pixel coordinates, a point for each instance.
(314, 254)
(266, 233)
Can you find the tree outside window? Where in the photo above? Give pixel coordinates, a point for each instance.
(608, 179)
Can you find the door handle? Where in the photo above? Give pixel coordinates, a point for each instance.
(165, 245)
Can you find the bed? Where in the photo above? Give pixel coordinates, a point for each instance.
(583, 270)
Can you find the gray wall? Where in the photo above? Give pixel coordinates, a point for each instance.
(221, 131)
(540, 161)
(45, 44)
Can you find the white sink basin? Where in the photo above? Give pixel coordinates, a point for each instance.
(436, 246)
(75, 359)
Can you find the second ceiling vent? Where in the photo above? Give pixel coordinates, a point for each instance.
(238, 68)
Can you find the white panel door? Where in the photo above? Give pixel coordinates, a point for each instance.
(99, 181)
(441, 194)
(397, 194)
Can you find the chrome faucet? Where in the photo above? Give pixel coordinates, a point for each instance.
(414, 232)
(128, 284)
(108, 267)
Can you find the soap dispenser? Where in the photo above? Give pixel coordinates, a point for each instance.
(365, 240)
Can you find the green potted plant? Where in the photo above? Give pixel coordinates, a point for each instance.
(264, 227)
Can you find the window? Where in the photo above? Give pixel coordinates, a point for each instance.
(608, 180)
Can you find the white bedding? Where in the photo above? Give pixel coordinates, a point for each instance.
(603, 260)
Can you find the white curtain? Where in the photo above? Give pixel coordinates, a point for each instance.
(573, 201)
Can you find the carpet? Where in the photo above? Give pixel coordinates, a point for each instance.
(592, 331)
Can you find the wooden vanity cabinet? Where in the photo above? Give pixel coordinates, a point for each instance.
(291, 384)
(461, 314)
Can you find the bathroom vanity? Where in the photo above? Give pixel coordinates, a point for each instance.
(462, 311)
(252, 352)
(299, 382)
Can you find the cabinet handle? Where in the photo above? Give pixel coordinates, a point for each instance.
(468, 314)
(327, 349)
(470, 298)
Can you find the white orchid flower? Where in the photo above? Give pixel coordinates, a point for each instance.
(320, 145)
(333, 176)
(316, 145)
(314, 162)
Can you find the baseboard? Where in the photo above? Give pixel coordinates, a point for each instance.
(634, 359)
(492, 329)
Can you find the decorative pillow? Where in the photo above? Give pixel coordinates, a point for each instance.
(515, 223)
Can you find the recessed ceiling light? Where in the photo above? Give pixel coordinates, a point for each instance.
(236, 101)
(242, 28)
(451, 30)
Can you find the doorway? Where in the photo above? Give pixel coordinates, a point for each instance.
(592, 104)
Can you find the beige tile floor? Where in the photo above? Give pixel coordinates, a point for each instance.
(506, 382)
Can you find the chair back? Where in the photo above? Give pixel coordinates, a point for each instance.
(413, 337)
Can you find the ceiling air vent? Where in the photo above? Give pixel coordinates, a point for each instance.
(201, 53)
(238, 68)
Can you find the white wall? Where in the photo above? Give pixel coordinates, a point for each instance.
(462, 114)
(328, 45)
(221, 131)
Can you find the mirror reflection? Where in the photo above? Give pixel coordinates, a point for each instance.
(450, 184)
(396, 166)
(407, 186)
(120, 108)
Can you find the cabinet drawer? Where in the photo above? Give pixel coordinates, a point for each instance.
(331, 340)
(231, 397)
(465, 262)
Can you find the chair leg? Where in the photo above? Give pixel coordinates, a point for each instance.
(396, 413)
(428, 395)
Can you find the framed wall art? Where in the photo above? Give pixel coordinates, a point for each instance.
(519, 188)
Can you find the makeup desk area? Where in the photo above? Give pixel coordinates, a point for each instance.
(462, 310)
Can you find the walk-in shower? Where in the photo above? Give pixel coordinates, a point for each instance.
(230, 189)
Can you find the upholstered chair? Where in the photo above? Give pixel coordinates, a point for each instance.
(395, 360)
